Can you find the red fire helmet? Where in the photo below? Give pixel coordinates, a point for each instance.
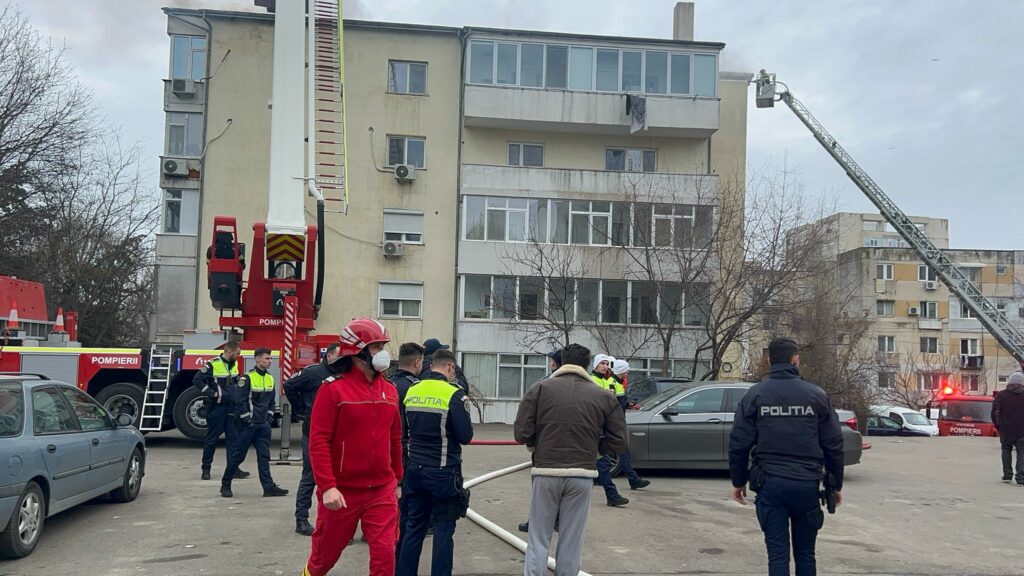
(360, 333)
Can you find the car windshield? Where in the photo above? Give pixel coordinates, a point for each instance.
(650, 403)
(12, 410)
(915, 419)
(966, 411)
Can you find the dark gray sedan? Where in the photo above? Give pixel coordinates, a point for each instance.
(59, 448)
(688, 426)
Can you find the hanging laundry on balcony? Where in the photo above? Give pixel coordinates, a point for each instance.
(636, 109)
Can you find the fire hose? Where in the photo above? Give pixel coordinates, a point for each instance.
(501, 533)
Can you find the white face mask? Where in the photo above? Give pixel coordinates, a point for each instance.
(381, 360)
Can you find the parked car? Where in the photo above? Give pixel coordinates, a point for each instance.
(885, 426)
(908, 418)
(687, 427)
(643, 387)
(62, 449)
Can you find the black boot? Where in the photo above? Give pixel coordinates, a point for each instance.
(206, 474)
(303, 527)
(225, 490)
(241, 475)
(618, 501)
(524, 527)
(274, 490)
(641, 484)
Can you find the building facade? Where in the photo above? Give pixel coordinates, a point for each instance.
(519, 142)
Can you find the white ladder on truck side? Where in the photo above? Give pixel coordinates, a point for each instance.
(331, 169)
(161, 358)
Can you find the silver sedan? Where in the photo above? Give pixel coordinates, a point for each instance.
(61, 448)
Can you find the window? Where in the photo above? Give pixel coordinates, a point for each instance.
(929, 310)
(503, 297)
(966, 312)
(674, 225)
(670, 304)
(886, 379)
(184, 134)
(632, 71)
(705, 75)
(12, 410)
(476, 217)
(188, 57)
(91, 416)
(476, 299)
(613, 301)
(698, 305)
(656, 72)
(403, 226)
(526, 155)
(926, 274)
(973, 274)
(508, 63)
(629, 160)
(482, 371)
(1001, 309)
(1000, 270)
(870, 225)
(872, 242)
(581, 68)
(531, 65)
(506, 219)
(643, 303)
(172, 211)
(481, 62)
(517, 372)
(531, 298)
(406, 150)
(704, 401)
(930, 380)
(561, 299)
(680, 73)
(407, 77)
(588, 301)
(400, 299)
(607, 70)
(556, 66)
(929, 345)
(591, 222)
(50, 413)
(969, 346)
(971, 382)
(887, 344)
(885, 308)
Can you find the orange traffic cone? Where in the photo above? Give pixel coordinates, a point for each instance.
(58, 326)
(12, 317)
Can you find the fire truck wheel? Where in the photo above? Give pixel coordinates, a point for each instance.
(123, 398)
(25, 525)
(190, 414)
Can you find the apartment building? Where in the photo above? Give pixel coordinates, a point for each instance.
(519, 140)
(845, 231)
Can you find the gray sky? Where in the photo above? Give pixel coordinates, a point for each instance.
(937, 123)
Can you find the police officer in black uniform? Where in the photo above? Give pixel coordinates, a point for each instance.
(796, 431)
(410, 365)
(216, 376)
(301, 391)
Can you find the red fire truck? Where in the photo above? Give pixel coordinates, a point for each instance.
(959, 414)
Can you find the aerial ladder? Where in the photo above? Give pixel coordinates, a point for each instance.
(768, 92)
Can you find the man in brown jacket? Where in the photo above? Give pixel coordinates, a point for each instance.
(1008, 417)
(567, 422)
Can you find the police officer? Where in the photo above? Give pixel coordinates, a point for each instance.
(250, 410)
(796, 431)
(301, 391)
(602, 375)
(216, 376)
(438, 424)
(410, 365)
(620, 373)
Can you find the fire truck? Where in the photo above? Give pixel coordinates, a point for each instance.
(959, 414)
(270, 301)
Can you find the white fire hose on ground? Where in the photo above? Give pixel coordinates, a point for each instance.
(505, 535)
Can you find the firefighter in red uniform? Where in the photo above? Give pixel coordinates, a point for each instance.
(355, 448)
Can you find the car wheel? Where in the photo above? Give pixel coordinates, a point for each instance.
(132, 481)
(25, 525)
(123, 398)
(190, 414)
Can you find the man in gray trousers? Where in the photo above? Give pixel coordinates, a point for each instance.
(567, 422)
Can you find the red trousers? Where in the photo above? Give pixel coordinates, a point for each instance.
(376, 509)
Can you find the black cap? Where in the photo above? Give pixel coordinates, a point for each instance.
(556, 356)
(432, 345)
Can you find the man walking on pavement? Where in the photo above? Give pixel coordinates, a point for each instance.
(410, 364)
(355, 447)
(1008, 417)
(602, 376)
(796, 431)
(301, 390)
(251, 406)
(218, 375)
(620, 373)
(438, 425)
(566, 422)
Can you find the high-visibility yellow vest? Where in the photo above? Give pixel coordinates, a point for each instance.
(430, 396)
(221, 372)
(260, 382)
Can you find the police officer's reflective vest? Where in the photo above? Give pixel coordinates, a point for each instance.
(222, 374)
(261, 395)
(260, 382)
(427, 405)
(610, 384)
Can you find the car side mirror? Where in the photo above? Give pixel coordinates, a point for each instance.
(124, 420)
(669, 412)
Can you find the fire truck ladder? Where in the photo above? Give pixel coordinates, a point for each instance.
(161, 357)
(967, 292)
(329, 129)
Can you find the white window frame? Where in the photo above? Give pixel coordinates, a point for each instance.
(186, 134)
(405, 150)
(889, 346)
(409, 236)
(889, 378)
(408, 74)
(885, 308)
(625, 160)
(887, 271)
(927, 381)
(929, 309)
(591, 214)
(191, 58)
(399, 285)
(966, 313)
(972, 346)
(522, 149)
(169, 199)
(926, 345)
(926, 274)
(1001, 269)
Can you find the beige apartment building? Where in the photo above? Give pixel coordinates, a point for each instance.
(515, 139)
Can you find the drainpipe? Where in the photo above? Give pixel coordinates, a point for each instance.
(463, 39)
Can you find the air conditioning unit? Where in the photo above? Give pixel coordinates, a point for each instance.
(914, 311)
(931, 285)
(183, 88)
(405, 172)
(393, 249)
(174, 166)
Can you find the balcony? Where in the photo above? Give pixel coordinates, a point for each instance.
(971, 362)
(594, 184)
(929, 324)
(586, 112)
(183, 95)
